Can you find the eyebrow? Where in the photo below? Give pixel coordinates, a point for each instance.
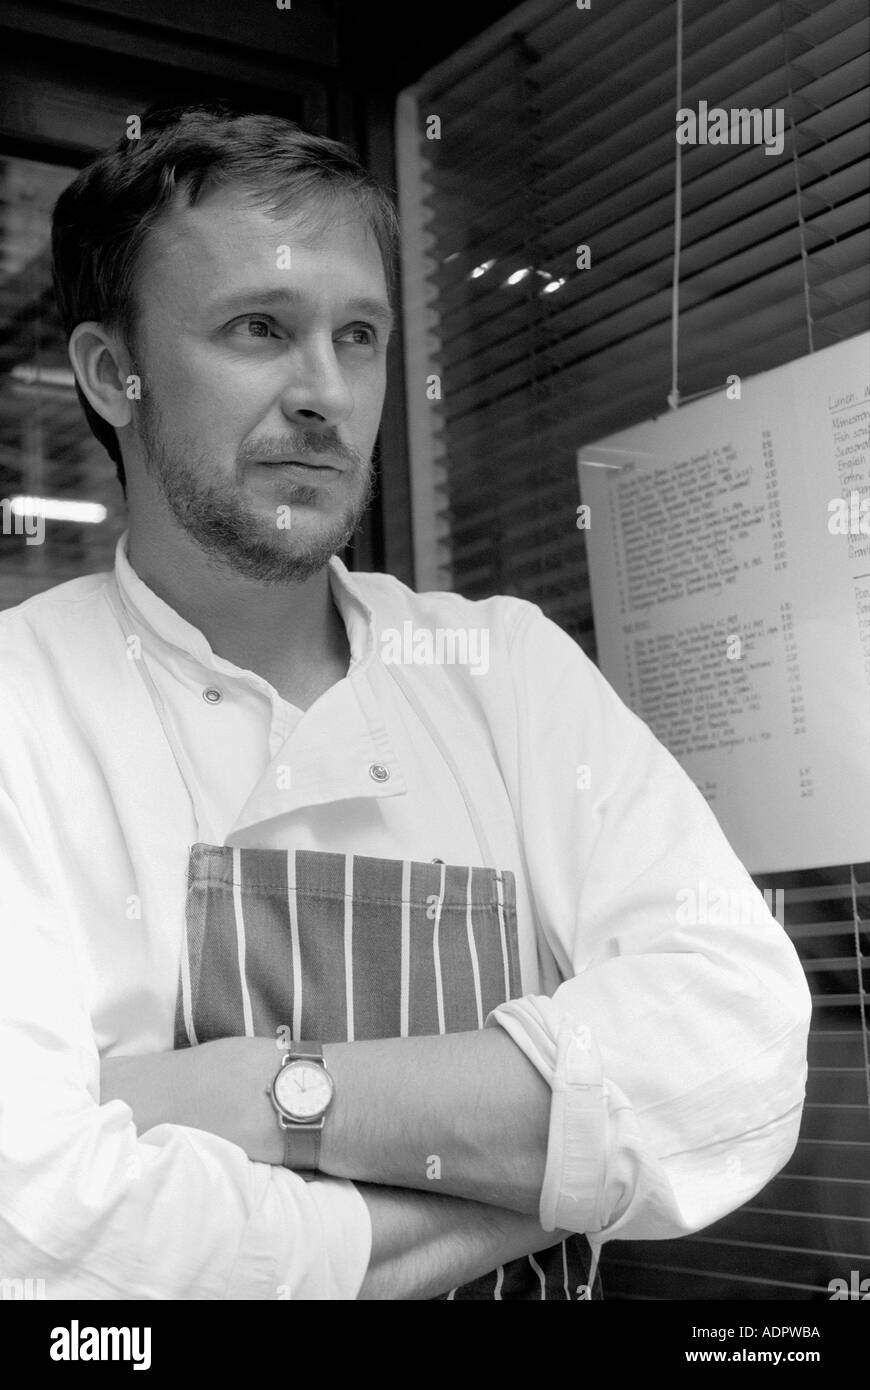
(376, 309)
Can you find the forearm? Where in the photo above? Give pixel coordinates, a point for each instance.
(464, 1114)
(424, 1244)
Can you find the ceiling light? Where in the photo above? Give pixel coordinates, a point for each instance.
(58, 509)
(31, 375)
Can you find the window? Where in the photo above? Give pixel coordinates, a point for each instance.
(46, 448)
(551, 133)
(61, 103)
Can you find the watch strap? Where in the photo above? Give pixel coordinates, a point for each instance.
(302, 1149)
(302, 1141)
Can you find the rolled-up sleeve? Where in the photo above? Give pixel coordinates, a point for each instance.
(675, 1046)
(99, 1211)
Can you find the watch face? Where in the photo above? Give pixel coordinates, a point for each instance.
(303, 1090)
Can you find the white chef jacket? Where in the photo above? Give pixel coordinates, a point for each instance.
(676, 1053)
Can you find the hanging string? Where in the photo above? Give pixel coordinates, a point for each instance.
(795, 164)
(674, 396)
(862, 994)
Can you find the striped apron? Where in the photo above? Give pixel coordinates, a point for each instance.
(300, 944)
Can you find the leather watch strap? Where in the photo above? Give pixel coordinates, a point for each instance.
(302, 1149)
(301, 1141)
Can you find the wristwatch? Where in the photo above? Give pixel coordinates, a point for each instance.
(302, 1092)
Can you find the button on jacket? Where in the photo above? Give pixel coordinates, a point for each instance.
(674, 1041)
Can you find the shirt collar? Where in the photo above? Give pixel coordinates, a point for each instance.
(168, 626)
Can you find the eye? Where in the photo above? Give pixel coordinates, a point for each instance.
(363, 333)
(254, 326)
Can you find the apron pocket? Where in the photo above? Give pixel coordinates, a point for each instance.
(340, 947)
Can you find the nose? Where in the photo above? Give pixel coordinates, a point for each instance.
(316, 390)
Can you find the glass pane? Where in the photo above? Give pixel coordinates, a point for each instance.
(46, 448)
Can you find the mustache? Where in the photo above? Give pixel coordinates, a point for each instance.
(303, 444)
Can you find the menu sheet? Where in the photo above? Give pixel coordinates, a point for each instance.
(729, 555)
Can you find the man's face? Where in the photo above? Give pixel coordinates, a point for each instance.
(261, 345)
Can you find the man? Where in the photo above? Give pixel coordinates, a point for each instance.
(324, 973)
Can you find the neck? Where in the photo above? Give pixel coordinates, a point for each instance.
(272, 629)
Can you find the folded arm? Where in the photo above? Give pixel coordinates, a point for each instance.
(424, 1244)
(463, 1114)
(103, 1212)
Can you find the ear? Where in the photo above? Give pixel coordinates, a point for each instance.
(100, 364)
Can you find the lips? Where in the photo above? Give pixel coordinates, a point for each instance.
(296, 463)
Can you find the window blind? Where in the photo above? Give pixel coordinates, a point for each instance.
(555, 130)
(811, 1224)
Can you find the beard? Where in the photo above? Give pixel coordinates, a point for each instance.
(234, 535)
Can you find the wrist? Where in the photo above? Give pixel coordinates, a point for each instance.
(237, 1074)
(301, 1094)
(338, 1059)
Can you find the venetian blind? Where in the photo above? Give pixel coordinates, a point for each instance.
(556, 130)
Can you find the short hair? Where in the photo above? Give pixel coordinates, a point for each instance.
(102, 219)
